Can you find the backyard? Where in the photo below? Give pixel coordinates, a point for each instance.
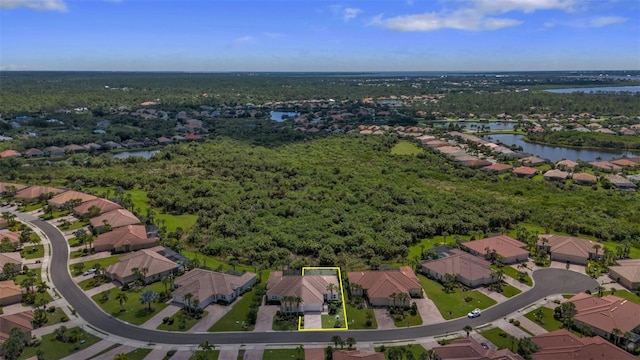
(453, 305)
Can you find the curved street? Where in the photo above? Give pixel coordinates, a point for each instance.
(547, 282)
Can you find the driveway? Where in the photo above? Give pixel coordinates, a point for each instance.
(264, 321)
(383, 318)
(215, 312)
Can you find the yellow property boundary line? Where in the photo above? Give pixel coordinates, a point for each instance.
(344, 306)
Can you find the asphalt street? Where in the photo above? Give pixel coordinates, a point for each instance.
(547, 282)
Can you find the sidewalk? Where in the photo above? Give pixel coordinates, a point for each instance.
(90, 351)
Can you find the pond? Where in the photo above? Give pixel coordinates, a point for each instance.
(596, 89)
(277, 115)
(143, 153)
(557, 153)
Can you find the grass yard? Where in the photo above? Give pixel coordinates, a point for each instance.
(416, 350)
(404, 147)
(282, 354)
(329, 321)
(89, 263)
(502, 342)
(18, 280)
(213, 263)
(513, 273)
(568, 296)
(213, 355)
(175, 326)
(548, 322)
(452, 305)
(138, 354)
(510, 291)
(92, 282)
(237, 316)
(30, 207)
(54, 349)
(625, 295)
(55, 317)
(32, 252)
(135, 312)
(358, 318)
(408, 320)
(288, 324)
(76, 225)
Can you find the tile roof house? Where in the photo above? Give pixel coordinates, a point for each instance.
(11, 258)
(311, 288)
(22, 320)
(626, 273)
(83, 210)
(497, 168)
(125, 239)
(621, 182)
(211, 287)
(563, 345)
(155, 264)
(469, 270)
(525, 171)
(584, 179)
(532, 161)
(568, 248)
(36, 192)
(624, 162)
(605, 166)
(378, 286)
(510, 250)
(59, 200)
(470, 349)
(555, 175)
(566, 164)
(9, 153)
(603, 314)
(357, 355)
(115, 219)
(6, 188)
(10, 293)
(54, 151)
(33, 152)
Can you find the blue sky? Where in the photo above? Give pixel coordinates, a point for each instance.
(308, 35)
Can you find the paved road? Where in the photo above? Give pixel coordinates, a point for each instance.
(548, 282)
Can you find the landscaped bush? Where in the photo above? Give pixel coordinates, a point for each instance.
(468, 299)
(516, 323)
(170, 353)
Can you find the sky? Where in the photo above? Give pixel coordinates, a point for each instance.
(319, 35)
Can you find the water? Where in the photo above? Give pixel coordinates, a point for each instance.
(633, 89)
(476, 125)
(277, 115)
(143, 153)
(556, 153)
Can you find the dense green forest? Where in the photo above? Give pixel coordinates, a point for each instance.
(589, 140)
(335, 199)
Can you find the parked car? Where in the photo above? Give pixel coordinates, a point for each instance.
(475, 313)
(484, 345)
(89, 272)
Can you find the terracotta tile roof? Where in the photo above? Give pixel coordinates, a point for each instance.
(9, 153)
(619, 181)
(470, 349)
(478, 163)
(555, 174)
(204, 283)
(14, 237)
(33, 152)
(570, 164)
(311, 288)
(624, 162)
(462, 263)
(606, 313)
(62, 198)
(569, 245)
(10, 258)
(357, 355)
(22, 320)
(563, 345)
(381, 284)
(605, 165)
(532, 160)
(584, 178)
(115, 218)
(503, 245)
(631, 271)
(33, 192)
(8, 288)
(525, 170)
(132, 235)
(498, 167)
(140, 259)
(103, 204)
(5, 185)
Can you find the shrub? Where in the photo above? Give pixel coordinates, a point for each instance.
(64, 319)
(170, 353)
(165, 319)
(516, 323)
(368, 323)
(503, 334)
(51, 309)
(511, 321)
(468, 299)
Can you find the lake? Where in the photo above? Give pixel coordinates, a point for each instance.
(277, 115)
(556, 153)
(476, 125)
(634, 89)
(143, 153)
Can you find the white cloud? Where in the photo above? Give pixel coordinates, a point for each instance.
(606, 20)
(350, 13)
(474, 15)
(241, 41)
(40, 5)
(15, 67)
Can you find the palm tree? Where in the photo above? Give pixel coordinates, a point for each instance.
(467, 329)
(617, 333)
(298, 300)
(403, 299)
(42, 288)
(187, 297)
(597, 247)
(122, 299)
(335, 339)
(600, 289)
(206, 347)
(394, 297)
(149, 296)
(539, 315)
(331, 288)
(526, 347)
(350, 342)
(166, 281)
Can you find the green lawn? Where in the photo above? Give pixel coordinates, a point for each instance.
(415, 250)
(452, 305)
(55, 317)
(510, 291)
(416, 350)
(404, 147)
(30, 207)
(19, 278)
(502, 342)
(408, 320)
(91, 283)
(77, 225)
(237, 316)
(213, 263)
(213, 355)
(32, 252)
(625, 295)
(135, 312)
(104, 262)
(548, 322)
(568, 296)
(282, 354)
(54, 349)
(513, 273)
(286, 324)
(138, 354)
(175, 326)
(358, 317)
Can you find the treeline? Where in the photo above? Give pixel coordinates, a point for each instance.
(588, 140)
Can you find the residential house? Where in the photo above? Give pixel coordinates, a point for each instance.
(211, 287)
(92, 146)
(604, 314)
(164, 140)
(125, 239)
(146, 265)
(476, 163)
(74, 148)
(9, 153)
(10, 293)
(468, 269)
(83, 210)
(112, 145)
(624, 162)
(63, 198)
(566, 165)
(470, 349)
(507, 249)
(621, 182)
(11, 258)
(605, 166)
(313, 290)
(564, 345)
(497, 168)
(357, 355)
(14, 237)
(33, 152)
(584, 179)
(21, 320)
(568, 248)
(53, 151)
(379, 286)
(555, 175)
(37, 192)
(525, 171)
(626, 273)
(115, 219)
(532, 161)
(10, 188)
